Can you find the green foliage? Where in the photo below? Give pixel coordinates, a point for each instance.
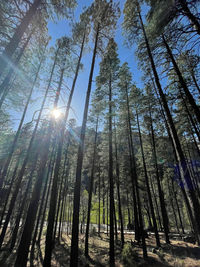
(129, 256)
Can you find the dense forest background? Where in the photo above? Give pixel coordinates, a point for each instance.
(129, 170)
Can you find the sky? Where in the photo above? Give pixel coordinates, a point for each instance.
(61, 27)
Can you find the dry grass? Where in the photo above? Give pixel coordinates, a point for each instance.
(178, 253)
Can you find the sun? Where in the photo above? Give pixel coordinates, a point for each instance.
(56, 113)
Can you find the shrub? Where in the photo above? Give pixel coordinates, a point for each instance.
(129, 256)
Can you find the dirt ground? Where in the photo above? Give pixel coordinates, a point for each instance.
(178, 253)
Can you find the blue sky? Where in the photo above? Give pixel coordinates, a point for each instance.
(61, 27)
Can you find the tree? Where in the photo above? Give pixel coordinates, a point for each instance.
(184, 172)
(103, 15)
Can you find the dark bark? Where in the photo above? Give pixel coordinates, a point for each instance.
(186, 11)
(42, 200)
(160, 191)
(10, 187)
(91, 190)
(132, 169)
(76, 204)
(8, 52)
(46, 201)
(195, 81)
(13, 146)
(182, 165)
(22, 206)
(177, 205)
(182, 81)
(62, 188)
(118, 193)
(139, 230)
(64, 195)
(4, 87)
(53, 200)
(99, 198)
(104, 192)
(27, 157)
(156, 204)
(147, 186)
(23, 249)
(111, 182)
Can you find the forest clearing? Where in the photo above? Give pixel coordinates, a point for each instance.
(99, 133)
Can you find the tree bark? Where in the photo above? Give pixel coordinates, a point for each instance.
(148, 187)
(182, 165)
(53, 199)
(6, 56)
(91, 190)
(182, 81)
(76, 204)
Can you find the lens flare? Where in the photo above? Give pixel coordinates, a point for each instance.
(56, 113)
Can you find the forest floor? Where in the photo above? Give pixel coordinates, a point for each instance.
(178, 253)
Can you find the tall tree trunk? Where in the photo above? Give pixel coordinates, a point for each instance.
(182, 165)
(182, 81)
(148, 187)
(99, 198)
(13, 146)
(104, 208)
(21, 210)
(23, 249)
(91, 190)
(10, 187)
(156, 204)
(64, 195)
(160, 191)
(53, 199)
(132, 170)
(118, 192)
(4, 87)
(191, 120)
(111, 183)
(60, 197)
(178, 208)
(43, 199)
(139, 230)
(76, 204)
(28, 154)
(6, 56)
(46, 201)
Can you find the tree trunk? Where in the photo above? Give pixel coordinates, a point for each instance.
(190, 16)
(118, 192)
(53, 200)
(91, 190)
(182, 81)
(76, 205)
(4, 87)
(148, 187)
(21, 210)
(139, 230)
(132, 170)
(13, 146)
(111, 183)
(160, 192)
(182, 165)
(99, 198)
(43, 199)
(6, 56)
(23, 249)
